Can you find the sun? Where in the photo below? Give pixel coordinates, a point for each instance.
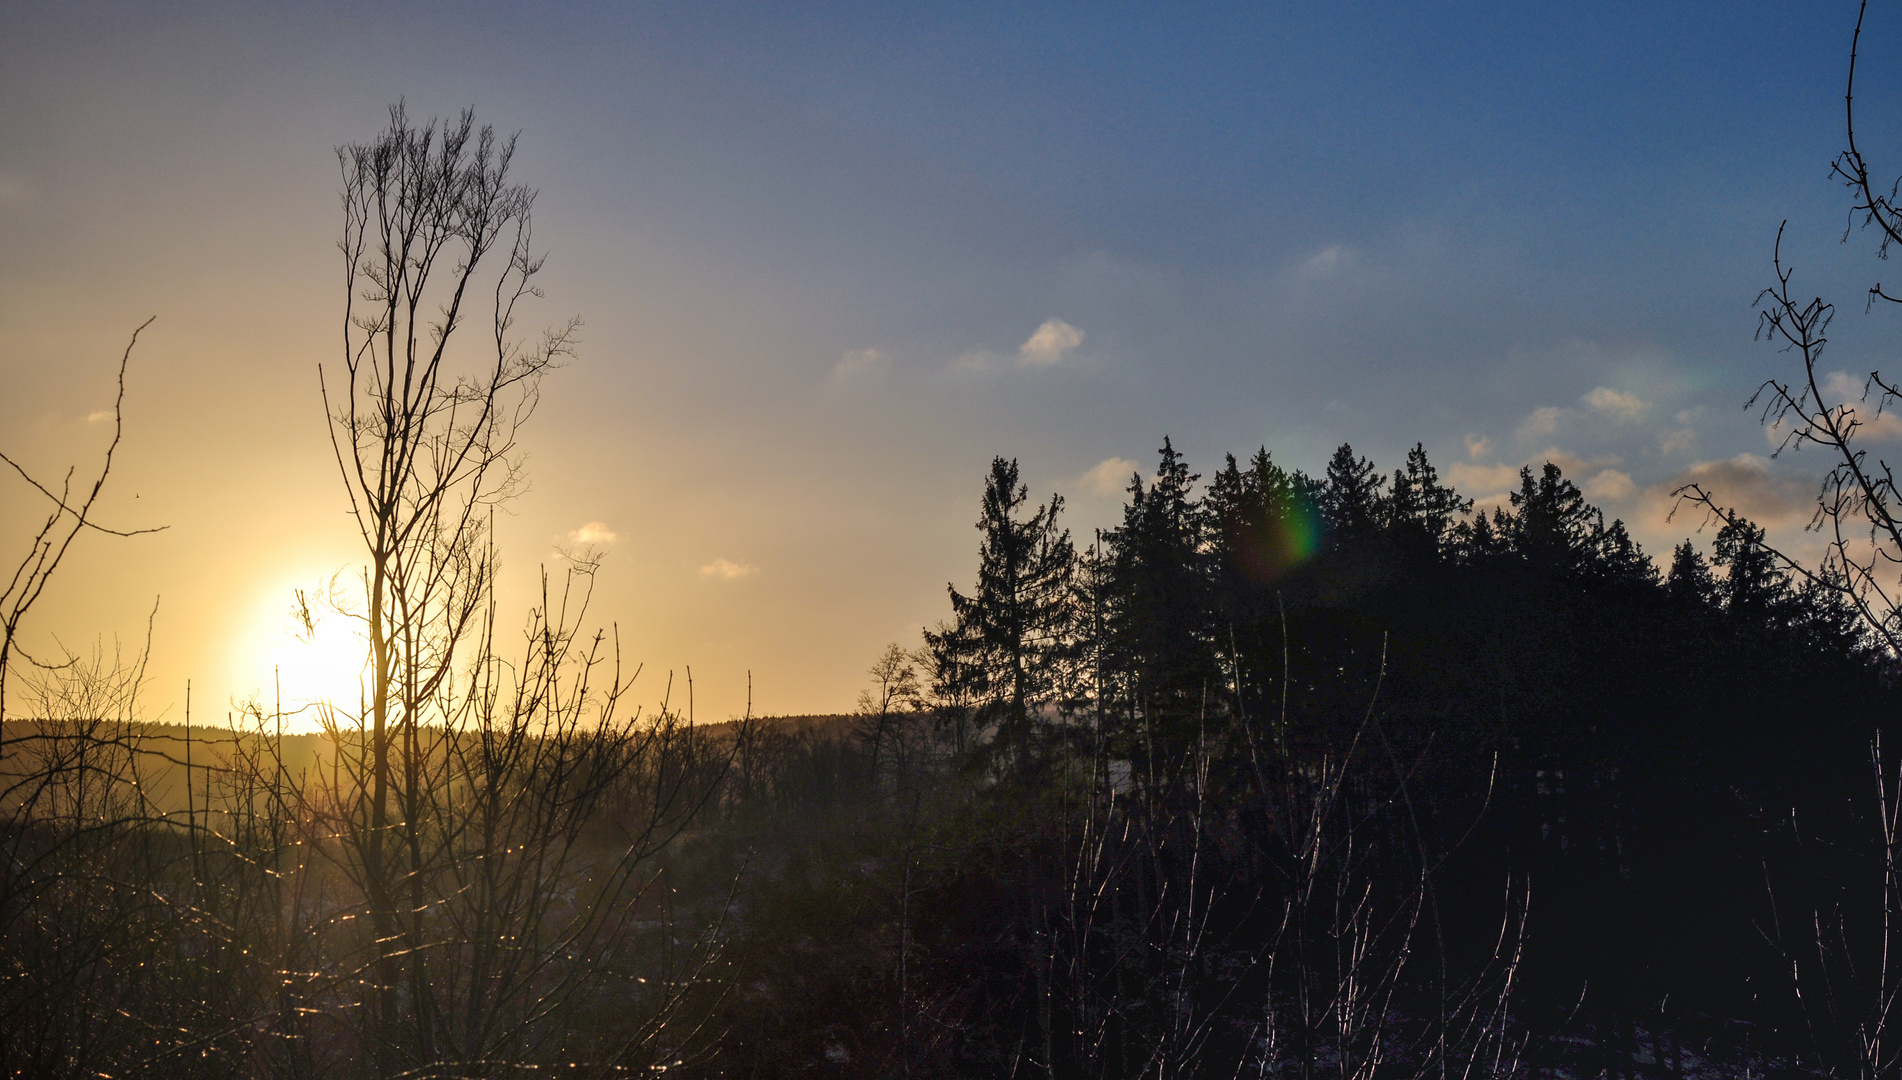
(306, 664)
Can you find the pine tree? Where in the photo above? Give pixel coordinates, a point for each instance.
(1756, 590)
(1691, 583)
(1615, 558)
(1422, 511)
(1161, 599)
(1008, 648)
(1554, 525)
(1352, 499)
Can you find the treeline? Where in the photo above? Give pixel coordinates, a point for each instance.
(1330, 773)
(1288, 775)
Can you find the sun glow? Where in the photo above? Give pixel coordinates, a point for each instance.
(311, 656)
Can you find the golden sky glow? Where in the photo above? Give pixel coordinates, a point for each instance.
(829, 266)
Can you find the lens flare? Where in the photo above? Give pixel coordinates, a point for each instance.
(1287, 537)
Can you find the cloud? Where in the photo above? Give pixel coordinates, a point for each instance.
(1491, 483)
(1681, 441)
(1620, 406)
(1327, 262)
(1478, 446)
(1571, 464)
(1047, 346)
(1109, 476)
(1842, 386)
(1470, 479)
(861, 362)
(1745, 484)
(594, 532)
(1542, 422)
(1609, 484)
(975, 362)
(98, 416)
(1841, 389)
(728, 570)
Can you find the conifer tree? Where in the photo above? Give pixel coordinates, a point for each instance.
(1756, 589)
(1421, 510)
(1008, 648)
(1553, 524)
(1161, 597)
(1690, 582)
(1352, 498)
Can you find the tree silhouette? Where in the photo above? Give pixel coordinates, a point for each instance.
(1421, 509)
(1011, 644)
(1160, 636)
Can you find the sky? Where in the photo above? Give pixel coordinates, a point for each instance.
(831, 259)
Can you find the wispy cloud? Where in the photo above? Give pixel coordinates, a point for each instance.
(1617, 404)
(728, 570)
(975, 362)
(98, 416)
(1327, 262)
(594, 532)
(1681, 441)
(1049, 344)
(1478, 446)
(1542, 422)
(1109, 476)
(866, 361)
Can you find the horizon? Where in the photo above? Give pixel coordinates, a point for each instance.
(829, 265)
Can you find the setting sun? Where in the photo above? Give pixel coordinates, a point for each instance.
(319, 663)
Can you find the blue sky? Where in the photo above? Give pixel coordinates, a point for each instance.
(833, 258)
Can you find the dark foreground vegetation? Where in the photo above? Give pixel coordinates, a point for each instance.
(1284, 776)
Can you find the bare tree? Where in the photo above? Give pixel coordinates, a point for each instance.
(492, 809)
(434, 235)
(71, 513)
(1858, 507)
(1846, 966)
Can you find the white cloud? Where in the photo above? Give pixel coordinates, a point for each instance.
(98, 415)
(1047, 346)
(1681, 441)
(1542, 422)
(1690, 416)
(728, 570)
(1617, 404)
(1327, 262)
(1842, 387)
(594, 532)
(861, 362)
(1478, 446)
(1609, 484)
(1109, 476)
